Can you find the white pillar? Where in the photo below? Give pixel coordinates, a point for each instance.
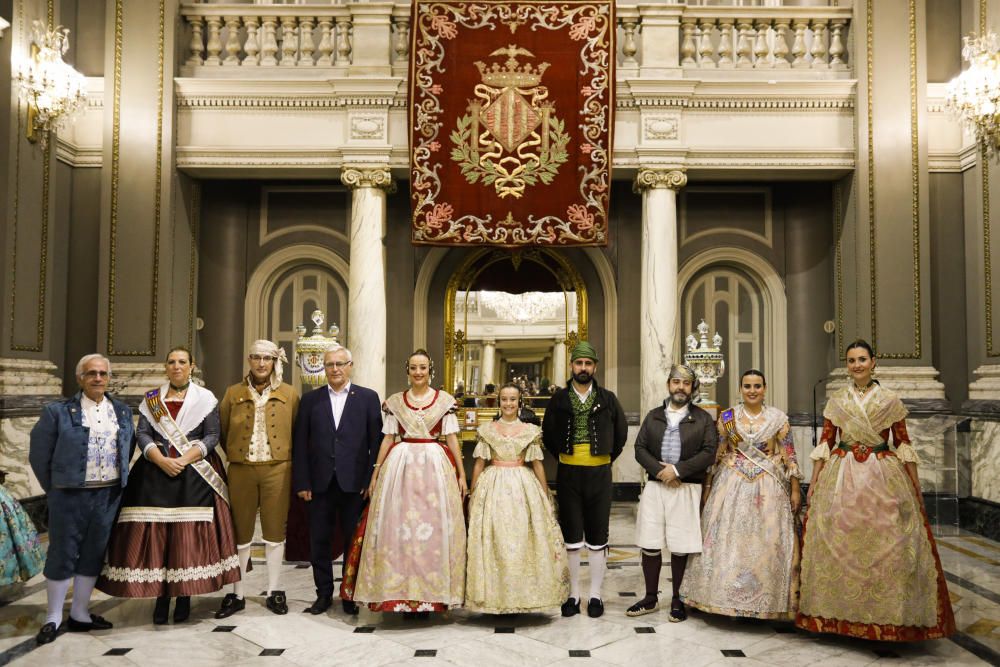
(489, 352)
(366, 305)
(658, 299)
(559, 375)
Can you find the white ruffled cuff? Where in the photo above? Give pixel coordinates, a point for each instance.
(534, 452)
(449, 424)
(482, 451)
(821, 453)
(907, 454)
(389, 425)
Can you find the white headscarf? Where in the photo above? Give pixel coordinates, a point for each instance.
(280, 358)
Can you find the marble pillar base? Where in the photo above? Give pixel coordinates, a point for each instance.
(984, 446)
(909, 382)
(20, 377)
(626, 470)
(987, 384)
(980, 516)
(25, 386)
(131, 380)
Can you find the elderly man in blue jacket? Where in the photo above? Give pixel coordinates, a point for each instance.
(80, 452)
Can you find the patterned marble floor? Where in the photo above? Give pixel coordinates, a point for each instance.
(462, 638)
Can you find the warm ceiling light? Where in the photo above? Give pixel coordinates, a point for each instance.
(52, 90)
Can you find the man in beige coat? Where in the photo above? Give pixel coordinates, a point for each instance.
(257, 415)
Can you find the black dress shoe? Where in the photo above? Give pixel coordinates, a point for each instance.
(321, 604)
(595, 608)
(230, 605)
(277, 602)
(182, 609)
(96, 623)
(47, 634)
(162, 610)
(571, 607)
(350, 607)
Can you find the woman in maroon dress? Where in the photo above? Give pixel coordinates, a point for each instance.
(174, 536)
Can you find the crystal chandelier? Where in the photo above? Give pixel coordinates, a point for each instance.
(52, 90)
(974, 95)
(523, 308)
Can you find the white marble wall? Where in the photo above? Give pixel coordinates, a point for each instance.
(985, 459)
(626, 469)
(14, 433)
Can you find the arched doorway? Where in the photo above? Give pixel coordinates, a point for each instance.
(285, 289)
(512, 316)
(740, 295)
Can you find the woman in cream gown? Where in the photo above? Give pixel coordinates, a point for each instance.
(516, 558)
(870, 566)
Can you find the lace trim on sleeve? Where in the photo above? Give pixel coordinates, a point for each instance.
(534, 451)
(449, 424)
(907, 454)
(482, 451)
(821, 453)
(389, 424)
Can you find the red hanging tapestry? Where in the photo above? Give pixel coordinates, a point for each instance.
(511, 111)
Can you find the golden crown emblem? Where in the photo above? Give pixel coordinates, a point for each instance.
(511, 74)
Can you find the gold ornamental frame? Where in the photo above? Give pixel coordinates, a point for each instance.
(464, 278)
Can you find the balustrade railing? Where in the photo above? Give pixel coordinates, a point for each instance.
(707, 37)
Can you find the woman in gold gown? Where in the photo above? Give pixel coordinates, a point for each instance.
(516, 558)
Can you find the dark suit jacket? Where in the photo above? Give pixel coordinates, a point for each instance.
(699, 442)
(320, 450)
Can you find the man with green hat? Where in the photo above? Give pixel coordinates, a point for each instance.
(585, 427)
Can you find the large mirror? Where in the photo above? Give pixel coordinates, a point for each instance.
(511, 316)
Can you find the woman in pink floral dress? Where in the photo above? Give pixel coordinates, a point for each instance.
(409, 552)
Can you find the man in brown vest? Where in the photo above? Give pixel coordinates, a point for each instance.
(257, 415)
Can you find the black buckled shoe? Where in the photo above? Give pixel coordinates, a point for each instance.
(678, 612)
(47, 634)
(230, 605)
(595, 608)
(350, 607)
(647, 605)
(277, 602)
(182, 609)
(96, 623)
(321, 604)
(571, 607)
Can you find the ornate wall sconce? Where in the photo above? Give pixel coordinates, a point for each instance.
(52, 90)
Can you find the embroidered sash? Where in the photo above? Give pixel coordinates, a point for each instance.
(752, 454)
(173, 433)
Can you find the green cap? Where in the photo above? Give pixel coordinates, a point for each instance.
(584, 350)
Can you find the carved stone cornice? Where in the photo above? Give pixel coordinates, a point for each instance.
(378, 177)
(652, 179)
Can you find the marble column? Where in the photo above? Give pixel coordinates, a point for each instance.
(366, 305)
(559, 375)
(489, 356)
(658, 298)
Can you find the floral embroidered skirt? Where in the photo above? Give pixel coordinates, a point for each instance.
(174, 536)
(516, 558)
(749, 559)
(410, 546)
(21, 554)
(870, 566)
